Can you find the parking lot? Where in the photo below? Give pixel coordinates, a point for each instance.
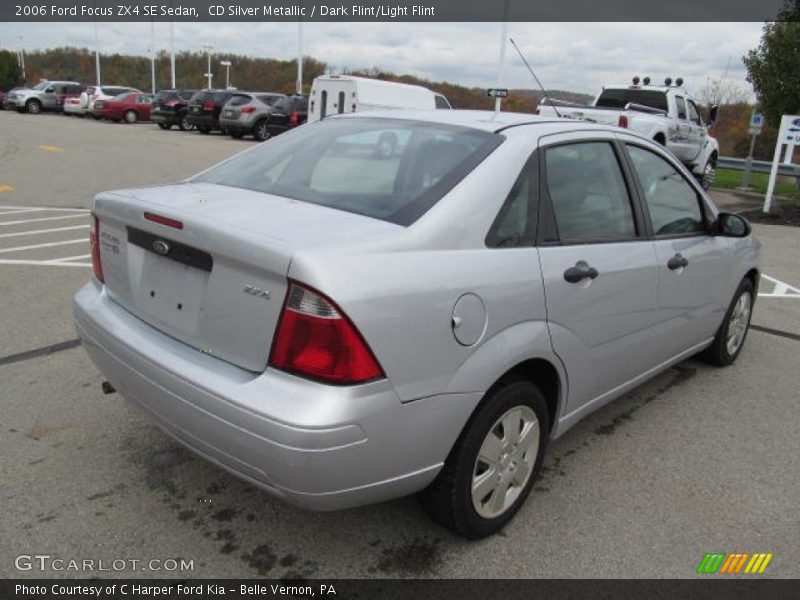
(697, 460)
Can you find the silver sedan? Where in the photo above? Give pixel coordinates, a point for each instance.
(340, 325)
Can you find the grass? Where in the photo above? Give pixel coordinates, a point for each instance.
(729, 179)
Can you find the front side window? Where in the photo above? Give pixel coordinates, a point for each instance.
(681, 106)
(589, 198)
(694, 115)
(393, 170)
(673, 204)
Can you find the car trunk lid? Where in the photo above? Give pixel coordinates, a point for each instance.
(207, 264)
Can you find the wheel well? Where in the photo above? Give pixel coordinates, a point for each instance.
(754, 277)
(543, 374)
(660, 138)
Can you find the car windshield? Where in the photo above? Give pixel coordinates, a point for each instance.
(41, 85)
(618, 98)
(388, 169)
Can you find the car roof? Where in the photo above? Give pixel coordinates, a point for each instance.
(484, 120)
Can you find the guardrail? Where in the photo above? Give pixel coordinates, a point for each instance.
(759, 166)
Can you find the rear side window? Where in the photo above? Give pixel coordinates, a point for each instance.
(588, 195)
(388, 169)
(516, 222)
(673, 204)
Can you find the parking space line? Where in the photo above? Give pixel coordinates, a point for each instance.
(47, 245)
(57, 208)
(39, 231)
(36, 353)
(43, 219)
(67, 259)
(778, 332)
(41, 263)
(16, 211)
(781, 289)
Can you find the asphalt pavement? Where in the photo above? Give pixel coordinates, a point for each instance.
(698, 460)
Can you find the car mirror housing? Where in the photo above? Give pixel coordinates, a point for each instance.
(712, 114)
(731, 225)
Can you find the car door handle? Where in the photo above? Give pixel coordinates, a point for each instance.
(676, 262)
(579, 272)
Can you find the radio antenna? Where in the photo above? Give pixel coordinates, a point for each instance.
(544, 91)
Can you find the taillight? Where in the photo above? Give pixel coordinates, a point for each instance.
(172, 103)
(248, 109)
(623, 121)
(315, 339)
(208, 106)
(294, 118)
(94, 241)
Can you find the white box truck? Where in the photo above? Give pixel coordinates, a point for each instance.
(336, 94)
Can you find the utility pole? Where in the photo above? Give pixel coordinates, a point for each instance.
(152, 56)
(208, 48)
(227, 65)
(172, 53)
(501, 62)
(299, 86)
(21, 58)
(96, 51)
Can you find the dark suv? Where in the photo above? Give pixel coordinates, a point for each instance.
(169, 108)
(287, 113)
(205, 107)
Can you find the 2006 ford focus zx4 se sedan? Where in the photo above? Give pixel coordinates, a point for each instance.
(386, 303)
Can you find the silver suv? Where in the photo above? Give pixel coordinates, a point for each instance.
(247, 113)
(46, 95)
(341, 326)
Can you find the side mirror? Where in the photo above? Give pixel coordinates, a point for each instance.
(712, 114)
(731, 225)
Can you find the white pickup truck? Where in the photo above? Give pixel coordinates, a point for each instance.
(665, 113)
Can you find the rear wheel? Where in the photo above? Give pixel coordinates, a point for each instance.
(33, 106)
(732, 332)
(261, 131)
(164, 125)
(184, 124)
(709, 173)
(490, 470)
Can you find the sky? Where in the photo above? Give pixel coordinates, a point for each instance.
(580, 57)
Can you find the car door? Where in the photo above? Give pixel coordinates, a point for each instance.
(49, 96)
(598, 266)
(143, 104)
(679, 139)
(693, 265)
(697, 132)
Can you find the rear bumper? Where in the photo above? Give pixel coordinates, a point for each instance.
(166, 118)
(236, 126)
(208, 122)
(315, 446)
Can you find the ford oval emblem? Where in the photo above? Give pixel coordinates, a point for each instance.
(796, 122)
(161, 247)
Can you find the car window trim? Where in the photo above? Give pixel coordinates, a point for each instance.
(707, 218)
(547, 227)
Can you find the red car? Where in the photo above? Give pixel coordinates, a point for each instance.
(129, 107)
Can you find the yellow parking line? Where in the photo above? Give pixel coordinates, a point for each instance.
(5, 187)
(51, 148)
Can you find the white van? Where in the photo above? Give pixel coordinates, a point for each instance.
(336, 94)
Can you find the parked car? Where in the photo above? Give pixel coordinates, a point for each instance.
(337, 94)
(287, 113)
(247, 113)
(205, 108)
(72, 106)
(104, 92)
(665, 113)
(342, 329)
(169, 108)
(129, 107)
(46, 95)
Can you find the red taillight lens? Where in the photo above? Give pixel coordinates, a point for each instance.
(208, 106)
(162, 220)
(94, 241)
(623, 121)
(315, 339)
(172, 103)
(248, 109)
(294, 118)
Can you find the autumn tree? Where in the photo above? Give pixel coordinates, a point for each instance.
(10, 73)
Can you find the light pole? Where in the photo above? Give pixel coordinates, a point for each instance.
(22, 58)
(207, 48)
(152, 57)
(299, 86)
(227, 65)
(172, 52)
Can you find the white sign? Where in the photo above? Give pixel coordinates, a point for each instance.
(788, 135)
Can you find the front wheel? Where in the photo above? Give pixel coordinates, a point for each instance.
(261, 131)
(33, 106)
(709, 173)
(731, 334)
(131, 117)
(184, 124)
(490, 470)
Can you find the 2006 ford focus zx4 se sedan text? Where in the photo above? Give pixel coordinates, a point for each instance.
(386, 303)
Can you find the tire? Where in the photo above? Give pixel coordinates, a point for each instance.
(449, 499)
(130, 116)
(237, 135)
(261, 131)
(33, 107)
(164, 125)
(204, 130)
(184, 124)
(730, 337)
(709, 173)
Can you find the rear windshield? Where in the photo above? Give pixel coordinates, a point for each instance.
(115, 91)
(166, 96)
(618, 98)
(286, 104)
(269, 99)
(388, 169)
(239, 100)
